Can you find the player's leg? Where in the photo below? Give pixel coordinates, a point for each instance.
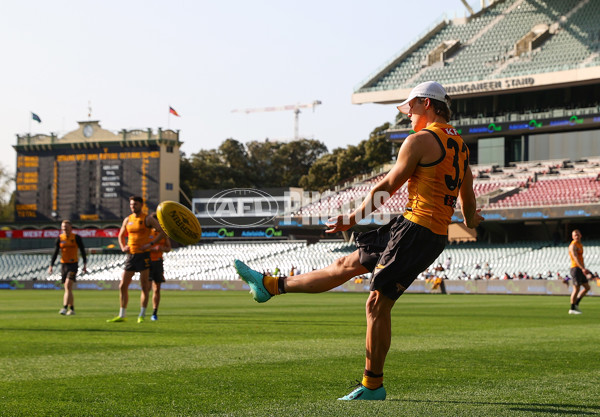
(145, 293)
(155, 299)
(410, 250)
(574, 296)
(124, 288)
(67, 294)
(379, 331)
(378, 340)
(69, 298)
(157, 277)
(584, 291)
(145, 285)
(123, 296)
(63, 273)
(574, 293)
(321, 280)
(263, 287)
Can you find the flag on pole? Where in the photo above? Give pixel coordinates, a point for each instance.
(173, 112)
(36, 117)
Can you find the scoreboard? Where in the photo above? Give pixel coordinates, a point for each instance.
(85, 184)
(89, 180)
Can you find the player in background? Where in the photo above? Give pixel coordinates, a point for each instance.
(137, 226)
(578, 272)
(435, 162)
(68, 243)
(157, 276)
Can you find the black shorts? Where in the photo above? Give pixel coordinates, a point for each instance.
(137, 262)
(578, 276)
(157, 272)
(68, 270)
(397, 253)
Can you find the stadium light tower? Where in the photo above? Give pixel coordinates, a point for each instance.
(294, 107)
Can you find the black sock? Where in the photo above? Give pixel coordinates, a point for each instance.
(577, 301)
(280, 285)
(72, 307)
(155, 312)
(65, 306)
(372, 375)
(572, 306)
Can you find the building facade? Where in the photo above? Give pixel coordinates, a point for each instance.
(88, 174)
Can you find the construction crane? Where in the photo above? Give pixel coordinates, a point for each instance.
(294, 107)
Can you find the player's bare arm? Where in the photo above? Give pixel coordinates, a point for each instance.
(468, 203)
(153, 223)
(410, 154)
(122, 232)
(166, 247)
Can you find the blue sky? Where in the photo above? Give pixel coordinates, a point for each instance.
(134, 59)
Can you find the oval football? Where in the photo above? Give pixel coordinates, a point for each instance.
(178, 222)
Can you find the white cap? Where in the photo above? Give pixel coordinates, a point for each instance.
(428, 89)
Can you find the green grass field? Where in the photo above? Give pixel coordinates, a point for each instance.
(220, 353)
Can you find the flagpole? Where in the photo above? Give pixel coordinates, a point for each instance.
(169, 119)
(30, 117)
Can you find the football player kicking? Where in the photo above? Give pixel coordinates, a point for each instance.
(435, 162)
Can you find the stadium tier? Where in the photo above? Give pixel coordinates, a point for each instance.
(213, 262)
(526, 184)
(523, 76)
(485, 46)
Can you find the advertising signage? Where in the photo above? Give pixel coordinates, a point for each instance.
(242, 233)
(531, 126)
(538, 213)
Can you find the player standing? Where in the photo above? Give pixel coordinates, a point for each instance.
(435, 162)
(578, 272)
(157, 275)
(137, 247)
(68, 243)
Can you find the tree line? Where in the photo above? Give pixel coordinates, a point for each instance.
(304, 163)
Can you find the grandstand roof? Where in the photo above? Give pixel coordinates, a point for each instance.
(510, 46)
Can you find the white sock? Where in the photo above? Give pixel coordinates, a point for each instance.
(142, 311)
(122, 312)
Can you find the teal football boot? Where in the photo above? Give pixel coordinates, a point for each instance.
(363, 393)
(254, 279)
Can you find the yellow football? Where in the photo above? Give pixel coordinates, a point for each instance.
(178, 222)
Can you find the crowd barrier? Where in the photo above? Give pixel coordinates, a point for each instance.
(525, 287)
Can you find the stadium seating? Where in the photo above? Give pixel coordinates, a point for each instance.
(558, 191)
(213, 261)
(534, 258)
(488, 42)
(526, 184)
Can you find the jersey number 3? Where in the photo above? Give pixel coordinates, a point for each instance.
(454, 182)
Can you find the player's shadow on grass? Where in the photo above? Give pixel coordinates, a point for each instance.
(137, 330)
(567, 409)
(236, 319)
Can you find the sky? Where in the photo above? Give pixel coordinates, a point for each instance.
(129, 60)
